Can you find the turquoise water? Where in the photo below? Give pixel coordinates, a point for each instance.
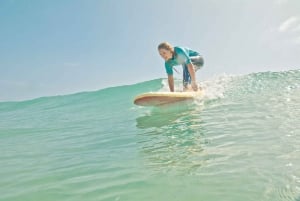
(241, 142)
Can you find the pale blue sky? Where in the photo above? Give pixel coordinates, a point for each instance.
(66, 46)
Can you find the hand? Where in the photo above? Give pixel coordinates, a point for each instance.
(194, 86)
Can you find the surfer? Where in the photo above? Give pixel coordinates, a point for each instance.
(190, 60)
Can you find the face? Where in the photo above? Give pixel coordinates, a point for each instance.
(165, 54)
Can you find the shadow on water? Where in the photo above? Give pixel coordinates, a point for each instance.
(156, 119)
(172, 138)
(164, 115)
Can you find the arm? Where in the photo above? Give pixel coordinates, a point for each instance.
(171, 82)
(169, 71)
(193, 76)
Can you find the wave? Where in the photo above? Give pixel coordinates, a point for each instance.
(221, 86)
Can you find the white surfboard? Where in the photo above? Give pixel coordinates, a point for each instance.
(162, 98)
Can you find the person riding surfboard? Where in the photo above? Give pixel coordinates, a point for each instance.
(190, 60)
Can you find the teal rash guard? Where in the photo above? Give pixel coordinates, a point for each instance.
(181, 57)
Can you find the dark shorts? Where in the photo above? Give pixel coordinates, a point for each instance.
(198, 63)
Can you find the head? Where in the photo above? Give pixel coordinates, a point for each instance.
(166, 50)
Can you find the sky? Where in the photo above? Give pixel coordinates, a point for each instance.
(61, 47)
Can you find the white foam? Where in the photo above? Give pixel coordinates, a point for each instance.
(216, 86)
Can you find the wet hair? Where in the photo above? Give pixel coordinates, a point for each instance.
(166, 46)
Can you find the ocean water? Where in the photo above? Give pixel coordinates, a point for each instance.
(240, 142)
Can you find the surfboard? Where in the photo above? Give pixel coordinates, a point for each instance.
(163, 98)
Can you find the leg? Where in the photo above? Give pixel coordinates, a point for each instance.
(186, 77)
(198, 62)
